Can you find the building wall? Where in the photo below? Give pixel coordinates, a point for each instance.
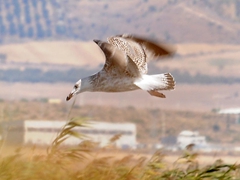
(44, 132)
(190, 137)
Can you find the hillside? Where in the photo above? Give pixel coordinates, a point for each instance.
(57, 35)
(176, 21)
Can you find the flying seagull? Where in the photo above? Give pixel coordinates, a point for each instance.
(125, 68)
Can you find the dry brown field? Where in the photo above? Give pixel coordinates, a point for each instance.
(212, 59)
(115, 154)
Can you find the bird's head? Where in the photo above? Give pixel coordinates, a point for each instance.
(76, 90)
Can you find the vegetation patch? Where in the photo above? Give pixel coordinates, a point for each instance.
(81, 162)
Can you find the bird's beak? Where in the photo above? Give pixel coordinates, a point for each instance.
(69, 96)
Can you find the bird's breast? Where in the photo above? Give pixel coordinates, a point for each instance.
(115, 85)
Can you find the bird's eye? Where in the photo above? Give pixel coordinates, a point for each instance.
(75, 86)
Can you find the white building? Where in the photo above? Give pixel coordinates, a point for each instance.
(43, 132)
(190, 137)
(230, 111)
(234, 111)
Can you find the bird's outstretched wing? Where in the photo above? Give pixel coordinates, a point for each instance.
(117, 62)
(151, 48)
(123, 49)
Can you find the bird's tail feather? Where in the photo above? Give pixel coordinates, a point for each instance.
(155, 83)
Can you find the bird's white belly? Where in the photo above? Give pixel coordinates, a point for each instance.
(116, 85)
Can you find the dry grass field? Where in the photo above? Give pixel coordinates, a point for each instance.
(62, 52)
(82, 162)
(210, 59)
(116, 154)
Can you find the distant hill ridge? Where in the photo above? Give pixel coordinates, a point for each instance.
(172, 20)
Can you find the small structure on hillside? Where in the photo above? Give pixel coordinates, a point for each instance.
(234, 111)
(43, 132)
(190, 137)
(54, 101)
(230, 111)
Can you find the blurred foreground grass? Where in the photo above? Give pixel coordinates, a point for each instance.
(83, 162)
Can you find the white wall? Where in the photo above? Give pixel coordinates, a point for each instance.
(43, 132)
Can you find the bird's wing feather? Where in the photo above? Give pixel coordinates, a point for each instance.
(132, 68)
(117, 60)
(152, 49)
(131, 49)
